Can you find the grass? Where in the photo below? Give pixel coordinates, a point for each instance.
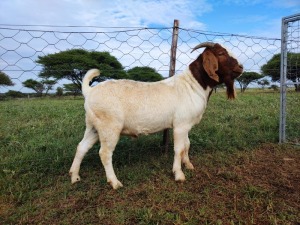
(242, 175)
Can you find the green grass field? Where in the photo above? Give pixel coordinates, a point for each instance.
(242, 175)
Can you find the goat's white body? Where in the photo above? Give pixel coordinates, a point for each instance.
(128, 107)
(144, 108)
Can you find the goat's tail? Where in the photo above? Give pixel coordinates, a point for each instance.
(86, 80)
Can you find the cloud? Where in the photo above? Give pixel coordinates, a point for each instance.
(150, 13)
(104, 13)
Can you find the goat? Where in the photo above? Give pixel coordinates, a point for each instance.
(126, 107)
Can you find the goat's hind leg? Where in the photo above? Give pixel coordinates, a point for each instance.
(89, 139)
(109, 138)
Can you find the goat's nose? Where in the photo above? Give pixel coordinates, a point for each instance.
(241, 67)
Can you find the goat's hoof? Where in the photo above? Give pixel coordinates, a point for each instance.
(189, 166)
(75, 179)
(115, 185)
(179, 176)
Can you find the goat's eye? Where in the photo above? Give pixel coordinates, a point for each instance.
(221, 53)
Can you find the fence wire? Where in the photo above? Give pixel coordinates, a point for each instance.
(20, 47)
(290, 79)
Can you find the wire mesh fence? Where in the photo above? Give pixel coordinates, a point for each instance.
(290, 79)
(20, 47)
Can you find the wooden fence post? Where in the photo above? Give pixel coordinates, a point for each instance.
(166, 136)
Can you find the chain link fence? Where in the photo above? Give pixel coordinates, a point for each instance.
(21, 46)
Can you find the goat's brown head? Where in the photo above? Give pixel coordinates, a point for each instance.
(215, 66)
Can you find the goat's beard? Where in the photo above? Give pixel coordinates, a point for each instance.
(230, 89)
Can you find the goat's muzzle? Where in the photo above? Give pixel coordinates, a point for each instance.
(238, 71)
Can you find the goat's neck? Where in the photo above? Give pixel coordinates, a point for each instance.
(195, 86)
(201, 75)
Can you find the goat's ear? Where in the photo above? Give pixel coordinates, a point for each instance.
(210, 64)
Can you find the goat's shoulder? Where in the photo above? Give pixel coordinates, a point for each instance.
(187, 81)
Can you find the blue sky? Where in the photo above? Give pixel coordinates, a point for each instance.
(250, 17)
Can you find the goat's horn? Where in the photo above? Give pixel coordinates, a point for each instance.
(204, 44)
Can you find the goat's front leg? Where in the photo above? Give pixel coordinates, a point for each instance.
(185, 159)
(180, 136)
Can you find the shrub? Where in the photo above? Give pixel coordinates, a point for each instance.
(15, 94)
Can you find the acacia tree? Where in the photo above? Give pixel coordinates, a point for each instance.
(263, 83)
(39, 86)
(48, 84)
(144, 73)
(72, 89)
(247, 78)
(73, 64)
(5, 80)
(272, 68)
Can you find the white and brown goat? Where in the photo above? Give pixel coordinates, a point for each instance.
(117, 107)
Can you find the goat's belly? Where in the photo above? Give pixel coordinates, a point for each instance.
(145, 126)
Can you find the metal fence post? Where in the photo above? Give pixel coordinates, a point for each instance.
(166, 135)
(286, 45)
(283, 61)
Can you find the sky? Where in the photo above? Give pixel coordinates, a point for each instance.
(260, 18)
(250, 17)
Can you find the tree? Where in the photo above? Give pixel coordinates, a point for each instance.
(274, 87)
(72, 89)
(144, 74)
(219, 86)
(263, 83)
(39, 86)
(14, 94)
(73, 64)
(272, 68)
(48, 85)
(5, 80)
(247, 78)
(59, 91)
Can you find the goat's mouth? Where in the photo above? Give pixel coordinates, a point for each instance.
(239, 70)
(236, 74)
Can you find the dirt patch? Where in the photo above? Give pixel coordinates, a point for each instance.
(276, 171)
(264, 185)
(257, 187)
